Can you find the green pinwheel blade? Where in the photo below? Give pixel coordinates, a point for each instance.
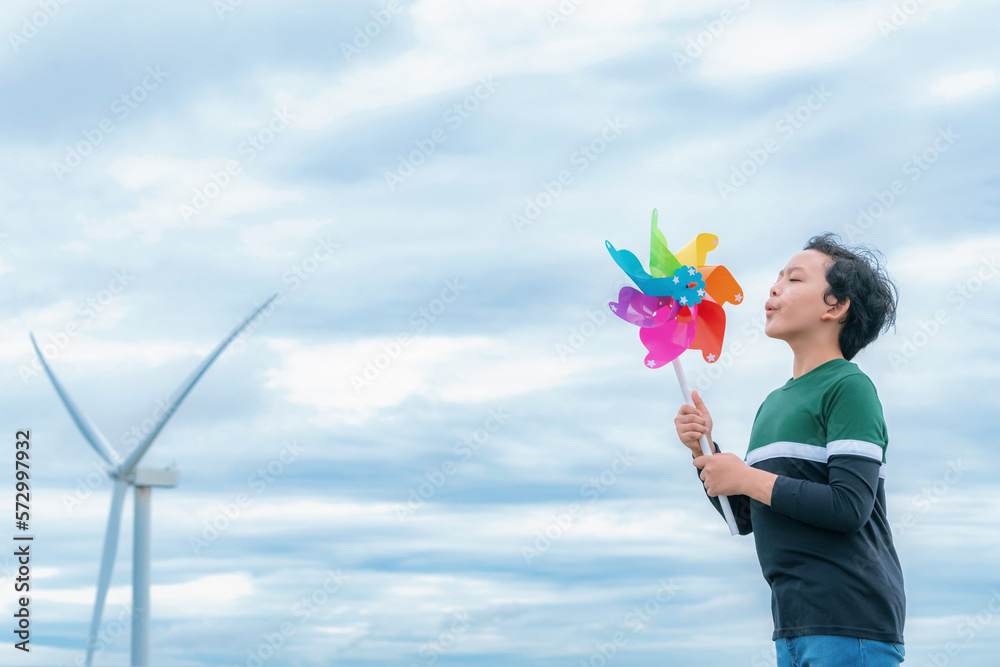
(661, 261)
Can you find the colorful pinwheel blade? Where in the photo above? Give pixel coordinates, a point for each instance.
(641, 310)
(711, 330)
(661, 261)
(721, 285)
(665, 343)
(693, 254)
(632, 267)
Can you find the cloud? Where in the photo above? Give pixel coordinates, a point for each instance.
(457, 45)
(350, 382)
(266, 241)
(180, 193)
(764, 40)
(773, 39)
(223, 595)
(966, 83)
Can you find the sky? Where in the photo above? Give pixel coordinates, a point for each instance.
(436, 446)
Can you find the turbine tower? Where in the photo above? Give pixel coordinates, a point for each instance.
(125, 473)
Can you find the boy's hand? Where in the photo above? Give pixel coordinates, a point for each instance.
(724, 474)
(693, 421)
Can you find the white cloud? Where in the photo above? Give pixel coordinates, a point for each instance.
(137, 173)
(76, 246)
(94, 353)
(283, 515)
(771, 39)
(15, 346)
(267, 241)
(50, 326)
(458, 42)
(449, 369)
(942, 264)
(210, 193)
(958, 85)
(217, 594)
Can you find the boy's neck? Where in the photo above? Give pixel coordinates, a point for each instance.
(809, 357)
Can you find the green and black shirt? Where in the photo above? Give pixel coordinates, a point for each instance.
(824, 544)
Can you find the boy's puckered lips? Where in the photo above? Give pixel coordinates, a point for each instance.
(769, 308)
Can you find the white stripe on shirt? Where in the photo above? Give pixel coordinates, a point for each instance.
(818, 453)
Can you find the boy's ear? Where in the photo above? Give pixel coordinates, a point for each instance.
(837, 312)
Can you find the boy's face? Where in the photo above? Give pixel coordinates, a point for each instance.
(795, 307)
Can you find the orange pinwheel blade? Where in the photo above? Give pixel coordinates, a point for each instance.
(720, 284)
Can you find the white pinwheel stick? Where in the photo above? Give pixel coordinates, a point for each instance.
(706, 448)
(127, 473)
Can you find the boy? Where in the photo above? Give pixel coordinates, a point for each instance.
(812, 486)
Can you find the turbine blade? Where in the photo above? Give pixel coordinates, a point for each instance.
(107, 563)
(133, 458)
(87, 428)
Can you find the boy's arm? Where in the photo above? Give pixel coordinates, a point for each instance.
(843, 505)
(855, 446)
(740, 504)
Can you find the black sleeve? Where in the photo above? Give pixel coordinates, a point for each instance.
(739, 504)
(844, 505)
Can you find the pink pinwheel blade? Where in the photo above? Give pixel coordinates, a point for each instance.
(642, 310)
(665, 343)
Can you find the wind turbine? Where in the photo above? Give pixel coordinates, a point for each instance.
(125, 472)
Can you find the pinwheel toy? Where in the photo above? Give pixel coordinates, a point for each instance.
(678, 306)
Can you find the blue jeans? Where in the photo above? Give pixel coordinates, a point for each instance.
(837, 651)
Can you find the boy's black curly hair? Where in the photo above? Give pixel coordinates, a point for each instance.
(856, 274)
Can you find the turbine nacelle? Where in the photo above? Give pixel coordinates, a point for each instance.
(162, 477)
